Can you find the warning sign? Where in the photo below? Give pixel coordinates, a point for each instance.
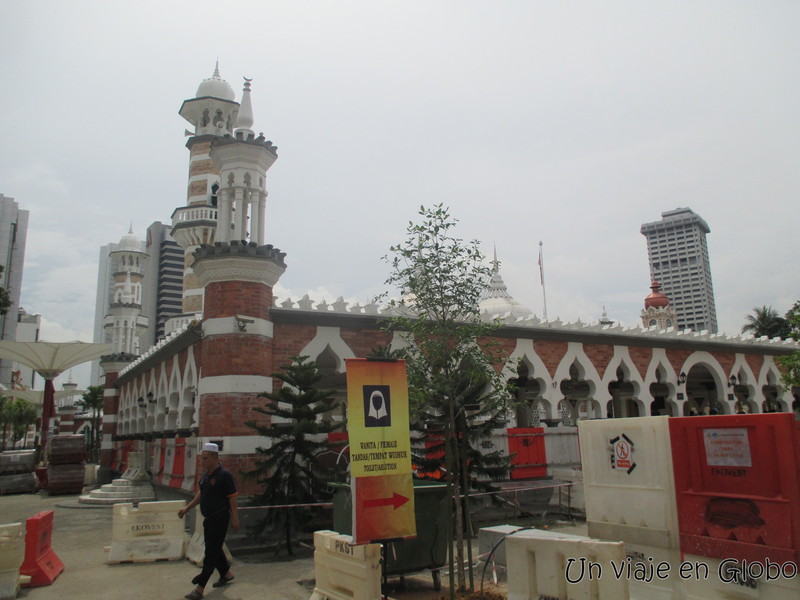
(727, 447)
(622, 454)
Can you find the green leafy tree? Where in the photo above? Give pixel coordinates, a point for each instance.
(441, 279)
(18, 414)
(92, 400)
(297, 429)
(5, 299)
(791, 362)
(765, 320)
(4, 417)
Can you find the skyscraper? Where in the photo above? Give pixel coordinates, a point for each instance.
(13, 234)
(678, 256)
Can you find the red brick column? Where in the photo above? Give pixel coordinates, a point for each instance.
(236, 361)
(111, 365)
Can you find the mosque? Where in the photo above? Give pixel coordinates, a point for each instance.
(200, 382)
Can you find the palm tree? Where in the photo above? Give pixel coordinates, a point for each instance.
(766, 321)
(93, 400)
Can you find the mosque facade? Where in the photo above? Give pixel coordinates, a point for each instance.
(202, 380)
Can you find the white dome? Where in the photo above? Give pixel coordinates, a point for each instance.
(216, 87)
(497, 301)
(130, 242)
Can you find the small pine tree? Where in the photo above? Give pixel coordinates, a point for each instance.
(289, 467)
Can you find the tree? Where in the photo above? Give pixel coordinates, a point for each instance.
(791, 362)
(289, 467)
(765, 320)
(4, 417)
(93, 400)
(17, 414)
(5, 299)
(441, 279)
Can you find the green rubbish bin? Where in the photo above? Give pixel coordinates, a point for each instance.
(428, 550)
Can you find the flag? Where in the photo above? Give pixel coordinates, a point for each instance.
(541, 266)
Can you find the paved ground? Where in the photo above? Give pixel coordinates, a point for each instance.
(81, 533)
(79, 538)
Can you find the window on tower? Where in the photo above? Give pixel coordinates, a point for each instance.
(214, 190)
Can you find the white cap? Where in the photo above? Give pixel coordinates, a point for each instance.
(209, 447)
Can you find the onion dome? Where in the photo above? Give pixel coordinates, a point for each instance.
(129, 242)
(216, 87)
(656, 299)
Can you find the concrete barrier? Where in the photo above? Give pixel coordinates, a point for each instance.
(344, 571)
(148, 533)
(12, 551)
(548, 565)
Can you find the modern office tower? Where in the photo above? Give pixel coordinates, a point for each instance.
(13, 233)
(28, 327)
(678, 255)
(164, 299)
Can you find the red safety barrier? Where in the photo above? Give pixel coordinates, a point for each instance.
(527, 450)
(178, 465)
(41, 562)
(736, 482)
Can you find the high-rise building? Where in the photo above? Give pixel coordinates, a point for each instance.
(13, 234)
(163, 290)
(678, 256)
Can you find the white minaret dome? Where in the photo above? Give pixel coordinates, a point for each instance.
(215, 87)
(129, 242)
(497, 301)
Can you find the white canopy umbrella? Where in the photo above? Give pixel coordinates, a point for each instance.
(50, 359)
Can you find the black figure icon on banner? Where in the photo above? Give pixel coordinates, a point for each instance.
(377, 406)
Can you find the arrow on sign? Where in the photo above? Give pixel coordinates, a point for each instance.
(395, 501)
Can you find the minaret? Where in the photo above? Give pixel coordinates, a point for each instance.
(237, 273)
(243, 161)
(124, 322)
(212, 113)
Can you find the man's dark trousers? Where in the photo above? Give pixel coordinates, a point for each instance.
(214, 529)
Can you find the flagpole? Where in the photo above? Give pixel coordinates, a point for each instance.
(541, 275)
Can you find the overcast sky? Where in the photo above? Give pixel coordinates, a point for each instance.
(567, 122)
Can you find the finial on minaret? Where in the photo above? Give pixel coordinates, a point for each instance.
(245, 119)
(130, 229)
(494, 260)
(216, 70)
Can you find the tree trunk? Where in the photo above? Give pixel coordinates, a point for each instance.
(459, 521)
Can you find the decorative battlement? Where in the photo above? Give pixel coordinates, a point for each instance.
(534, 324)
(238, 261)
(239, 248)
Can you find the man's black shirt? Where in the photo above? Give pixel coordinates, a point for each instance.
(216, 490)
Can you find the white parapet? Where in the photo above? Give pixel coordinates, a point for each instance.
(12, 552)
(151, 532)
(344, 571)
(544, 564)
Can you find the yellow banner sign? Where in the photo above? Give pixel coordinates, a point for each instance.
(380, 450)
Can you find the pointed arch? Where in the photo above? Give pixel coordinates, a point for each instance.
(328, 337)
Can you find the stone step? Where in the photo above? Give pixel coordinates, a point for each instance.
(111, 501)
(105, 499)
(141, 491)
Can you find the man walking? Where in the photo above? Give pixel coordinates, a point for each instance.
(217, 500)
